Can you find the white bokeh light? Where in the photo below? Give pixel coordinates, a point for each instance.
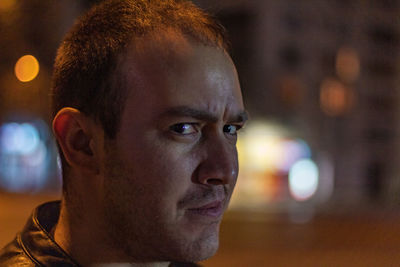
(303, 179)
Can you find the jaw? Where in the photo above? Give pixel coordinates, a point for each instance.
(202, 244)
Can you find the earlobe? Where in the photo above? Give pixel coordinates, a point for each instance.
(74, 132)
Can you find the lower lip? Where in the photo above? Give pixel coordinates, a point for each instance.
(214, 212)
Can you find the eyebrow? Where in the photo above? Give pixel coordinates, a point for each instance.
(185, 111)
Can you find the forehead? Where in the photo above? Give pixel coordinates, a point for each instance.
(174, 71)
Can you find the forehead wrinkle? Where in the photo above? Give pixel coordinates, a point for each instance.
(185, 111)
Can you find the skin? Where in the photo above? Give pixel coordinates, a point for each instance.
(159, 189)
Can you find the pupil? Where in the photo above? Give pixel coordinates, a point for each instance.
(180, 128)
(229, 128)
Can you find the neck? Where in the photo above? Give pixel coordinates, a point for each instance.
(82, 240)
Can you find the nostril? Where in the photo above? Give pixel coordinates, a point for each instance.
(214, 181)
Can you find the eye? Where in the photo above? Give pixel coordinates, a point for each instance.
(184, 128)
(231, 129)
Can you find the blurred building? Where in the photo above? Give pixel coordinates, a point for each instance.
(329, 70)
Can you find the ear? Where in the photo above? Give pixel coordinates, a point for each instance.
(78, 137)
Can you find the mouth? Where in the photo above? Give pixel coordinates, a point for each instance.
(213, 209)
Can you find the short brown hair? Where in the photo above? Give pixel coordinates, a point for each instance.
(85, 67)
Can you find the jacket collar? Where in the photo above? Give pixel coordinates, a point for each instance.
(37, 241)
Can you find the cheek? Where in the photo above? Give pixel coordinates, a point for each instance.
(165, 168)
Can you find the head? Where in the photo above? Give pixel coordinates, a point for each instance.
(147, 104)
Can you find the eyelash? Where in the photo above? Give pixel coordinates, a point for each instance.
(179, 128)
(182, 126)
(238, 127)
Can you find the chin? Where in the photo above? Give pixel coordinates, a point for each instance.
(206, 254)
(196, 256)
(201, 249)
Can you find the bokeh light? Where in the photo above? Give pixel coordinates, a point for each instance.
(6, 4)
(303, 179)
(260, 147)
(347, 64)
(19, 138)
(27, 68)
(266, 147)
(267, 152)
(335, 98)
(293, 150)
(24, 156)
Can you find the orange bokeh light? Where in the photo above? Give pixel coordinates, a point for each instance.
(347, 65)
(6, 4)
(335, 98)
(26, 68)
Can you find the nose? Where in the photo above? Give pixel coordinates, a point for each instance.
(219, 164)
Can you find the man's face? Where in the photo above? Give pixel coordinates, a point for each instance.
(171, 170)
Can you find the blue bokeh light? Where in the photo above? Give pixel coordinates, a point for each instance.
(25, 156)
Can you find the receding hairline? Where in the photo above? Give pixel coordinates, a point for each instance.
(161, 49)
(167, 43)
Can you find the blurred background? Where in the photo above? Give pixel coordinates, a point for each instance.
(319, 183)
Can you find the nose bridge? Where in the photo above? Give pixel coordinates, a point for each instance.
(220, 164)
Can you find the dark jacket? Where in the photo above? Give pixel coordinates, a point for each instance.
(34, 246)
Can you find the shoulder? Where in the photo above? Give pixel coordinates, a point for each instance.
(13, 254)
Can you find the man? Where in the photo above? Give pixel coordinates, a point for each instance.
(147, 106)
